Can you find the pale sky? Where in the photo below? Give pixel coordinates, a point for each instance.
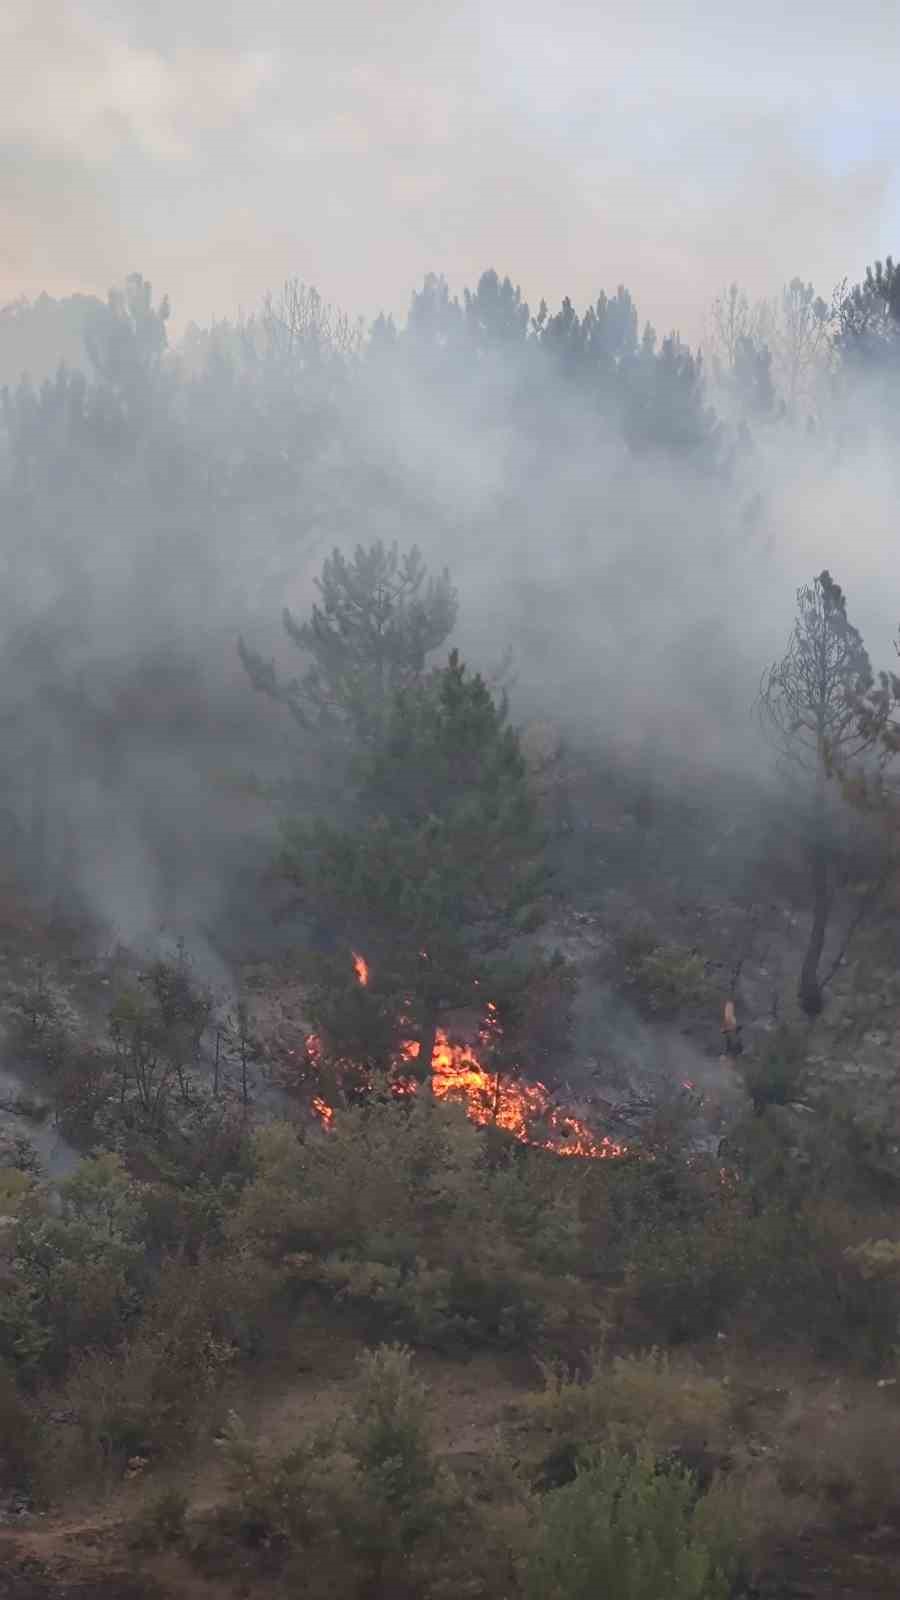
(219, 146)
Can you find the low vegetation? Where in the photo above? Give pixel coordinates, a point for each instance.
(138, 1316)
(663, 978)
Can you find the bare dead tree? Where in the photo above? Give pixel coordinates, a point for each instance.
(801, 336)
(733, 320)
(809, 708)
(299, 326)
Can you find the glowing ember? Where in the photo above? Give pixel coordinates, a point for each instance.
(524, 1109)
(323, 1110)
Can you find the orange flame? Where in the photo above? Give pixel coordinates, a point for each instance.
(323, 1110)
(521, 1108)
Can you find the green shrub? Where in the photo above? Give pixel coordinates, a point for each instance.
(534, 1198)
(80, 1286)
(636, 944)
(663, 977)
(101, 1193)
(775, 1076)
(809, 1286)
(405, 1214)
(685, 1282)
(189, 1219)
(402, 1496)
(24, 1337)
(623, 1530)
(471, 1304)
(81, 1272)
(783, 1269)
(621, 1202)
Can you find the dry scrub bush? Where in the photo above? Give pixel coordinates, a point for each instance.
(877, 1259)
(844, 1455)
(159, 1391)
(275, 1499)
(162, 1521)
(399, 1213)
(364, 1507)
(746, 1518)
(648, 1401)
(151, 1399)
(78, 1279)
(15, 1185)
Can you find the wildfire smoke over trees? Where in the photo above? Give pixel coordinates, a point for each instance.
(229, 620)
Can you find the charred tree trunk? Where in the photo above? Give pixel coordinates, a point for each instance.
(810, 988)
(810, 991)
(427, 1042)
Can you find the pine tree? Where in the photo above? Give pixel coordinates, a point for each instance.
(810, 708)
(445, 865)
(379, 618)
(869, 318)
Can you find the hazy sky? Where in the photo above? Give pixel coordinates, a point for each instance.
(219, 146)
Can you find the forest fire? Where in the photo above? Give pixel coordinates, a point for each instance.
(323, 1110)
(524, 1109)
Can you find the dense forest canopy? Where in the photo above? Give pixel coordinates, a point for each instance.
(575, 470)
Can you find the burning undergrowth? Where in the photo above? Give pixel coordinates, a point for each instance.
(464, 1071)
